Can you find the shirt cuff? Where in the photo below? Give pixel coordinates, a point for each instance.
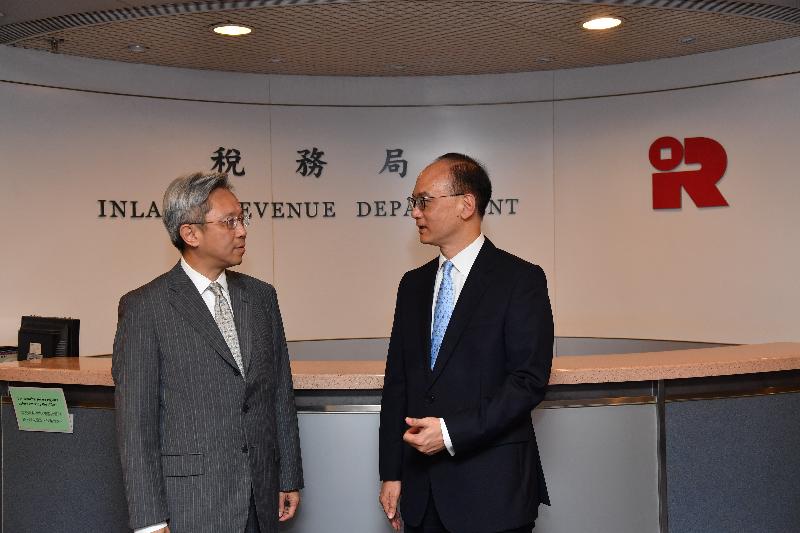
(445, 436)
(151, 529)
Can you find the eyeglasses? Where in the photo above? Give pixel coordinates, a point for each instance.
(231, 222)
(422, 201)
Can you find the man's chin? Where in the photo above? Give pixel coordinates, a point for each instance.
(425, 239)
(236, 258)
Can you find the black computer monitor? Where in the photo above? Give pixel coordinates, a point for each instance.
(49, 336)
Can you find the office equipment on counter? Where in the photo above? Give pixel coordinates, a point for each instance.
(48, 337)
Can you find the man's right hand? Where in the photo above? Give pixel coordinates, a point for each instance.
(389, 498)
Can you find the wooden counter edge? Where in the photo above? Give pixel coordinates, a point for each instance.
(368, 375)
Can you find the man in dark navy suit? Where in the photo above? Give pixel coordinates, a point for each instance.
(469, 358)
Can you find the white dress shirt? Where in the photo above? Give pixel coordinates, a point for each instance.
(202, 283)
(462, 264)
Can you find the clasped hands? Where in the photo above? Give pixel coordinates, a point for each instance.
(424, 435)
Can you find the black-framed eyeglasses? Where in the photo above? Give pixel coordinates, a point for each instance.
(421, 202)
(230, 222)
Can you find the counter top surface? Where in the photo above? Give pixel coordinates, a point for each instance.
(676, 364)
(567, 370)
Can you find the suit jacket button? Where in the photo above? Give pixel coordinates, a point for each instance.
(245, 408)
(244, 448)
(431, 398)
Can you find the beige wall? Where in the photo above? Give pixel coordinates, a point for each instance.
(578, 166)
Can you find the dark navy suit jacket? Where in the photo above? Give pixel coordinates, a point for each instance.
(491, 371)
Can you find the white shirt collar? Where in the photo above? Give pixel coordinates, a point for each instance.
(464, 259)
(200, 281)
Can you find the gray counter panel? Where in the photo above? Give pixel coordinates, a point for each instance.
(61, 482)
(601, 469)
(600, 464)
(340, 460)
(733, 465)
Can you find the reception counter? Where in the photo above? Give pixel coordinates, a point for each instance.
(698, 440)
(567, 370)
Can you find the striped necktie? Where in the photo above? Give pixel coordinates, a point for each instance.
(224, 318)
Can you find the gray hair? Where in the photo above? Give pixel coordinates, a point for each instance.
(186, 201)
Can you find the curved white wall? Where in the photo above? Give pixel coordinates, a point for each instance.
(571, 146)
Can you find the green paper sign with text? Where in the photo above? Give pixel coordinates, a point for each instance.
(40, 409)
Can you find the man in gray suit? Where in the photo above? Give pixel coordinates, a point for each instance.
(206, 421)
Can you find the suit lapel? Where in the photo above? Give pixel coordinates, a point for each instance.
(242, 316)
(426, 296)
(468, 300)
(185, 299)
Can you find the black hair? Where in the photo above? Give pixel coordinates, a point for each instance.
(469, 177)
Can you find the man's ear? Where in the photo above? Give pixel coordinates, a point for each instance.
(190, 235)
(468, 203)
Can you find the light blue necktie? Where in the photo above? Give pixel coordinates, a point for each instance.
(445, 301)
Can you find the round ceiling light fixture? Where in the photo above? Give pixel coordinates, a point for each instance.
(602, 23)
(137, 48)
(232, 30)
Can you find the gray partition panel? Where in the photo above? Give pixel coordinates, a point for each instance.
(340, 460)
(600, 464)
(63, 483)
(733, 465)
(601, 469)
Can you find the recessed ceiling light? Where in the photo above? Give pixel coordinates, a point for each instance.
(545, 59)
(231, 29)
(687, 40)
(137, 48)
(396, 66)
(276, 60)
(602, 23)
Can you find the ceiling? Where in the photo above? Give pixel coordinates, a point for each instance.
(392, 37)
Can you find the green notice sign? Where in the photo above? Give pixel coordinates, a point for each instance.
(40, 409)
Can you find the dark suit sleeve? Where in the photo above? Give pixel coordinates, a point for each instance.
(135, 368)
(528, 356)
(288, 436)
(393, 402)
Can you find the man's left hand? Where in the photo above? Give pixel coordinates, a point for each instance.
(425, 435)
(287, 504)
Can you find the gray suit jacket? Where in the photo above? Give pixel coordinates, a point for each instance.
(194, 436)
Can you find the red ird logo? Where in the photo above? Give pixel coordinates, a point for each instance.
(666, 153)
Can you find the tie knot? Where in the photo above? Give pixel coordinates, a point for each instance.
(216, 288)
(447, 266)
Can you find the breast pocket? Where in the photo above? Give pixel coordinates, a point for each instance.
(190, 464)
